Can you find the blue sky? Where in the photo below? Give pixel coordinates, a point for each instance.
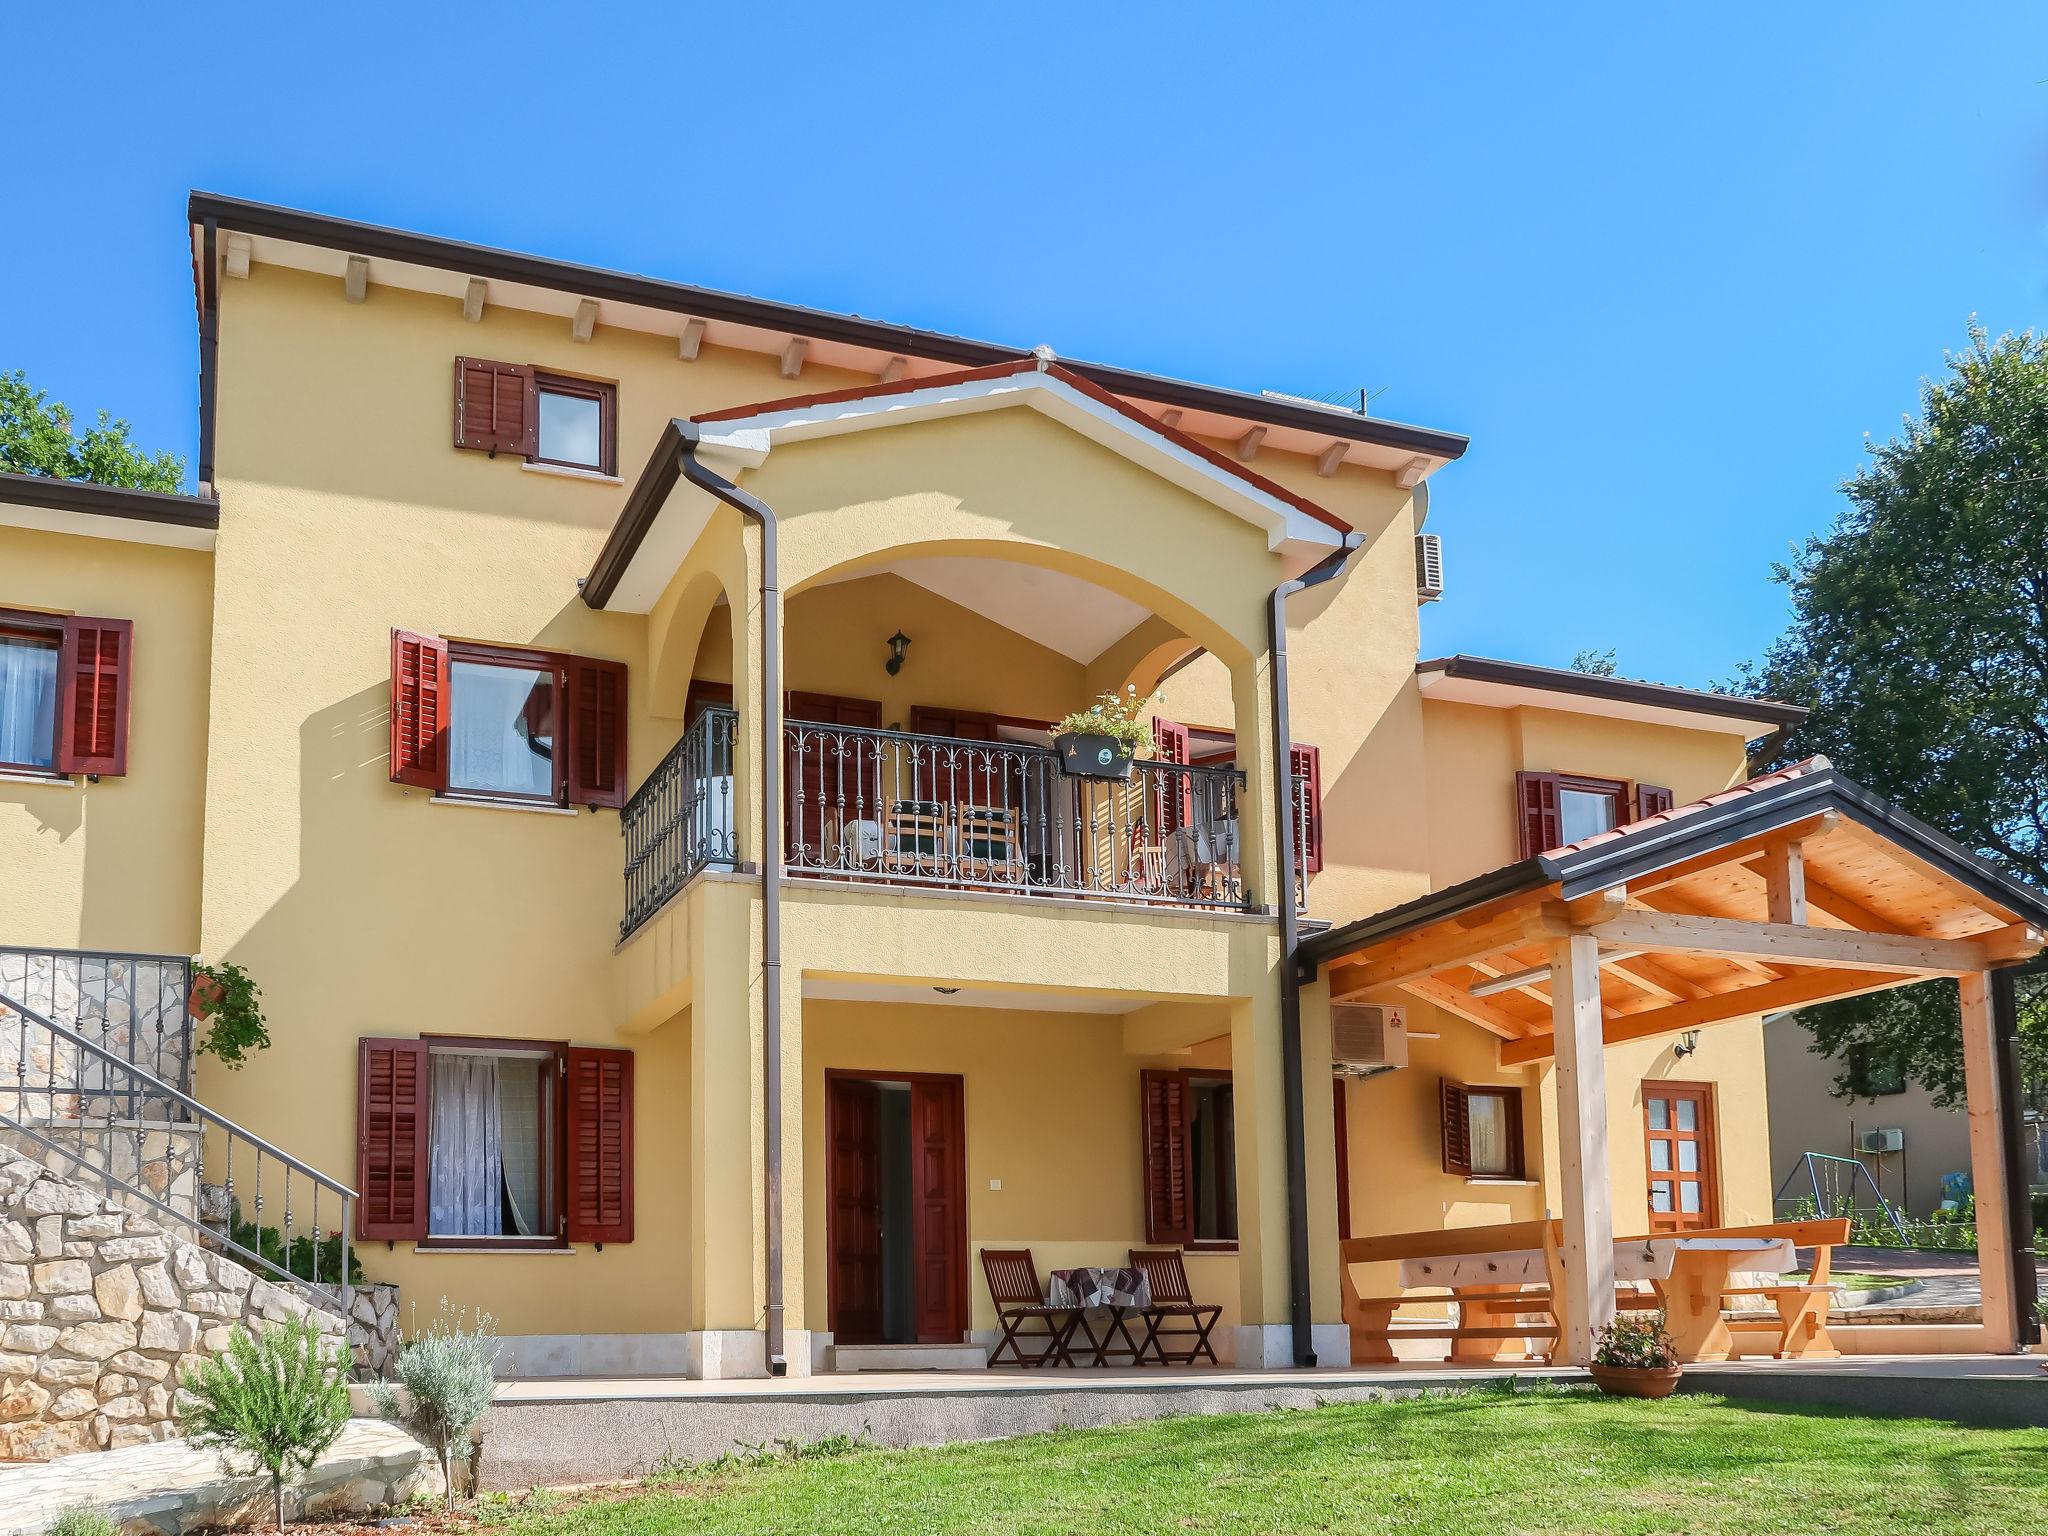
(1667, 266)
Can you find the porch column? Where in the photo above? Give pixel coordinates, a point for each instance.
(1987, 1166)
(725, 1314)
(1583, 1182)
(1264, 1337)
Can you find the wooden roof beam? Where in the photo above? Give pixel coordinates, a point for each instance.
(1790, 944)
(1435, 948)
(1772, 997)
(1449, 998)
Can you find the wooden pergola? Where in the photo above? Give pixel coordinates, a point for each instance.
(1794, 888)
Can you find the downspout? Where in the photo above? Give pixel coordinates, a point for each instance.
(1294, 1114)
(209, 350)
(758, 511)
(2005, 1056)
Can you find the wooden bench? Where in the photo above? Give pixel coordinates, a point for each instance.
(1478, 1335)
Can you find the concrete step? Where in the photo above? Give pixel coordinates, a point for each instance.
(908, 1357)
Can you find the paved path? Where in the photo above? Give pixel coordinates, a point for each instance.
(1947, 1279)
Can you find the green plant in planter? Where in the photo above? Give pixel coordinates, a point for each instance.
(227, 1003)
(1115, 715)
(1635, 1341)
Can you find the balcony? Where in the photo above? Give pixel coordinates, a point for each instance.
(901, 809)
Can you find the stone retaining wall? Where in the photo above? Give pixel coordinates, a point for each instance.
(100, 1311)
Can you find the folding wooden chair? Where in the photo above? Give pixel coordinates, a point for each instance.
(1171, 1298)
(1013, 1286)
(985, 837)
(915, 837)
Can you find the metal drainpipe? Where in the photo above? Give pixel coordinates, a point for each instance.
(2005, 1045)
(1294, 1115)
(757, 510)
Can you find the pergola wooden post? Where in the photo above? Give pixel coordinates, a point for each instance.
(1583, 1180)
(1987, 1166)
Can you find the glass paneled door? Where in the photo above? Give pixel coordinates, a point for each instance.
(1678, 1136)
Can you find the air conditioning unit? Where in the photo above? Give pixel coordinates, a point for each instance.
(1890, 1138)
(1366, 1039)
(1429, 567)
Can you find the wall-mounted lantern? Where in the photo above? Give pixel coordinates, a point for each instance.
(899, 643)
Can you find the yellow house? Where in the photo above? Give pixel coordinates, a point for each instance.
(613, 722)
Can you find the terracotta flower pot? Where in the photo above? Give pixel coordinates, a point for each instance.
(1636, 1380)
(207, 991)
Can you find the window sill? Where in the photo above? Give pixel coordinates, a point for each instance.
(487, 803)
(596, 475)
(30, 776)
(454, 1246)
(1500, 1182)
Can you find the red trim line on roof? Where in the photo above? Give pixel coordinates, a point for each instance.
(1066, 376)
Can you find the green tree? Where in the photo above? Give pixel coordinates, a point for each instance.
(1596, 663)
(272, 1403)
(36, 439)
(1919, 640)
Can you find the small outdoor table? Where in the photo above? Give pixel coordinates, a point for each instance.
(1118, 1293)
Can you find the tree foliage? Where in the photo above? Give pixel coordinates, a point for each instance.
(272, 1403)
(36, 438)
(1919, 640)
(447, 1378)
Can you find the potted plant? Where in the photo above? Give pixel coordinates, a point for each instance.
(225, 1000)
(1633, 1357)
(1099, 742)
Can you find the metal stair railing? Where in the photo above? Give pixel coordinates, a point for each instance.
(71, 1112)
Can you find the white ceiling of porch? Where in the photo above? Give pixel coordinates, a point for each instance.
(1063, 613)
(850, 991)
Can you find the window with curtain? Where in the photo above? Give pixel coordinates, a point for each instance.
(1482, 1131)
(502, 729)
(28, 699)
(491, 1130)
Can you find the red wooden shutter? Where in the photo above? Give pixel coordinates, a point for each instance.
(391, 1139)
(1175, 791)
(1650, 799)
(597, 732)
(1457, 1128)
(1169, 1193)
(1537, 817)
(419, 710)
(598, 1123)
(497, 407)
(1305, 769)
(93, 666)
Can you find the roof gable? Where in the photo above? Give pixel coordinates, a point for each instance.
(744, 436)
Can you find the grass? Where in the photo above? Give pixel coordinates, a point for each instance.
(1547, 1462)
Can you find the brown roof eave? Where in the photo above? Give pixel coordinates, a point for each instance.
(1621, 690)
(488, 262)
(109, 501)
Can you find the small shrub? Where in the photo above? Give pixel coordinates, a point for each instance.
(306, 1256)
(1635, 1340)
(83, 1521)
(449, 1375)
(275, 1401)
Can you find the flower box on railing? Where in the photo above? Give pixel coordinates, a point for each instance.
(1087, 756)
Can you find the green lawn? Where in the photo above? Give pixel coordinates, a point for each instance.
(1481, 1465)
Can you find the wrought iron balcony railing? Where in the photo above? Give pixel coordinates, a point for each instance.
(681, 818)
(992, 815)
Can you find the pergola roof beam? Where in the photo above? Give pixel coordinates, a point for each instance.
(1793, 944)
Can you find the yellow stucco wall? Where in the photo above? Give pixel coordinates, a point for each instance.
(362, 908)
(116, 864)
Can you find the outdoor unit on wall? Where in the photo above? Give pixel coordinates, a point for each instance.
(1366, 1039)
(1429, 567)
(1890, 1138)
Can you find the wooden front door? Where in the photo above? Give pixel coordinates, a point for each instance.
(864, 1264)
(938, 1210)
(854, 1178)
(1678, 1136)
